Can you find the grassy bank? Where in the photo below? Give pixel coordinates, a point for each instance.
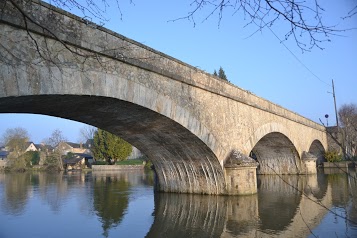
(130, 162)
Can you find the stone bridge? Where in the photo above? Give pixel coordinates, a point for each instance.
(186, 121)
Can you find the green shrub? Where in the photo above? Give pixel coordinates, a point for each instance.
(32, 158)
(333, 156)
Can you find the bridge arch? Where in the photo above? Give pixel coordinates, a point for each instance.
(271, 146)
(317, 149)
(183, 162)
(185, 150)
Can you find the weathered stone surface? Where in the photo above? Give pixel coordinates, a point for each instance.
(241, 180)
(309, 163)
(238, 159)
(186, 121)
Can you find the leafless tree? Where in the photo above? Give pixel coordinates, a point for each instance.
(87, 133)
(303, 20)
(55, 141)
(348, 119)
(55, 138)
(345, 136)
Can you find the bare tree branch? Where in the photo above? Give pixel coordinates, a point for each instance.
(305, 18)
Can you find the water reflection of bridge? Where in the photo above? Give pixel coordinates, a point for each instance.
(279, 209)
(285, 206)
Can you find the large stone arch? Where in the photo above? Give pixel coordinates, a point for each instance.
(183, 162)
(272, 147)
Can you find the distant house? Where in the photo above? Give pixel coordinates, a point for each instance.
(89, 144)
(30, 146)
(66, 147)
(45, 148)
(3, 154)
(78, 161)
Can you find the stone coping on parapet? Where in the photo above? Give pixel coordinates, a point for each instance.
(155, 61)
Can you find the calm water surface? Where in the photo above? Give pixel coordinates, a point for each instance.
(123, 204)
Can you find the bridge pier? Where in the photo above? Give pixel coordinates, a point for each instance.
(200, 176)
(241, 180)
(205, 176)
(240, 175)
(308, 163)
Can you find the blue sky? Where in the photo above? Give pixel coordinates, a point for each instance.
(258, 63)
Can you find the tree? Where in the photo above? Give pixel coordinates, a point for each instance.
(304, 21)
(348, 118)
(221, 74)
(16, 140)
(54, 140)
(109, 147)
(345, 137)
(87, 133)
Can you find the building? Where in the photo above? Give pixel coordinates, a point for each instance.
(78, 161)
(70, 147)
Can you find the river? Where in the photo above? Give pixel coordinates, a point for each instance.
(123, 204)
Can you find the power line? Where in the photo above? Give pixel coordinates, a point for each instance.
(297, 57)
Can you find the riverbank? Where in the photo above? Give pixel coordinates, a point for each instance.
(117, 167)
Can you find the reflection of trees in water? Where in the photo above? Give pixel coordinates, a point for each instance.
(111, 199)
(18, 186)
(148, 178)
(278, 200)
(352, 206)
(16, 193)
(339, 187)
(53, 189)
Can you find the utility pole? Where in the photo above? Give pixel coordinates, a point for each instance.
(338, 128)
(334, 99)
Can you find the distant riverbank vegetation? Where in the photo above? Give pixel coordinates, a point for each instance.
(18, 153)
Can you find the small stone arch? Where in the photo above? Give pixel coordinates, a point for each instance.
(265, 130)
(317, 149)
(271, 146)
